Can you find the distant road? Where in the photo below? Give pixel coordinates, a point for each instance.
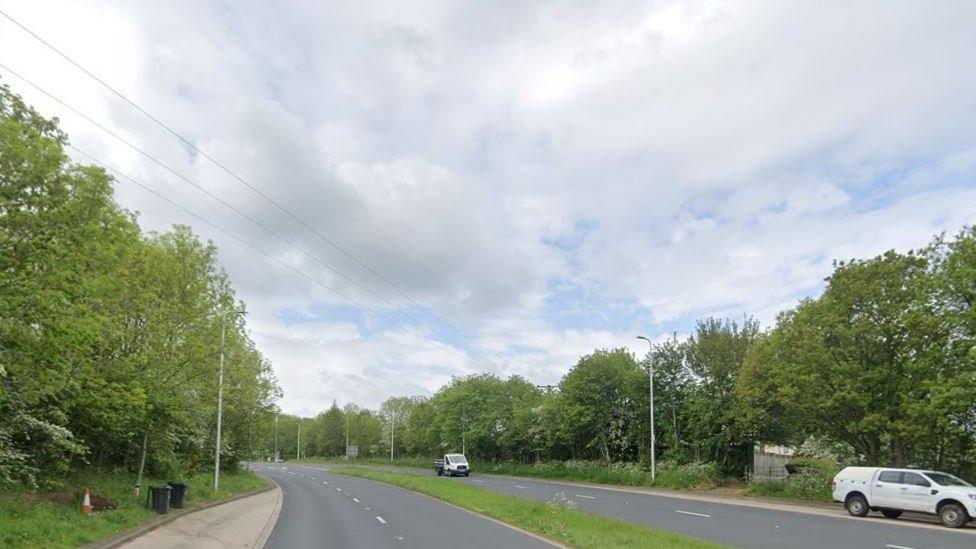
(735, 525)
(323, 510)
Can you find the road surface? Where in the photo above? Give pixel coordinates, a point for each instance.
(323, 510)
(735, 525)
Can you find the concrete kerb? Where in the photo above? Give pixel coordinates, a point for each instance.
(116, 540)
(273, 519)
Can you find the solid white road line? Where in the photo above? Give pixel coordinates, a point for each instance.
(890, 546)
(522, 487)
(693, 514)
(478, 481)
(379, 518)
(582, 496)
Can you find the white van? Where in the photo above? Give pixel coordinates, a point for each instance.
(892, 491)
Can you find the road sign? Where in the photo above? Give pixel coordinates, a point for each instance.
(352, 451)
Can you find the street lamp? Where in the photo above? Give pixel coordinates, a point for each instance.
(220, 396)
(650, 377)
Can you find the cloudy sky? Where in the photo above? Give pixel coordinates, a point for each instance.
(508, 185)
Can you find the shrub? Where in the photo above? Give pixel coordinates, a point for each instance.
(809, 480)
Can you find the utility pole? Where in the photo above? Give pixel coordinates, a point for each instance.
(392, 428)
(650, 377)
(220, 403)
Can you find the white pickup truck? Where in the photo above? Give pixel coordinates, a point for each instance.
(452, 464)
(892, 491)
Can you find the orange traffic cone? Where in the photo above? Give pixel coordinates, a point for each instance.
(86, 503)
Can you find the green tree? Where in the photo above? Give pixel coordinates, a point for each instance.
(600, 398)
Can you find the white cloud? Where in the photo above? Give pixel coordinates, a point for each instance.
(718, 154)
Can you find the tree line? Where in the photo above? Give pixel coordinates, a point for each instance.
(879, 369)
(110, 338)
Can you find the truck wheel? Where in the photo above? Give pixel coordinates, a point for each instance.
(439, 472)
(891, 513)
(953, 515)
(857, 506)
(466, 475)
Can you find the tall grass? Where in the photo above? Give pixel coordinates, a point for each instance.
(26, 521)
(809, 481)
(671, 475)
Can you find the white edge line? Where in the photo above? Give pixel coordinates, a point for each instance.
(892, 546)
(693, 514)
(587, 497)
(522, 487)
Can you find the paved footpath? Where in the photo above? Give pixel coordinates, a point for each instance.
(244, 523)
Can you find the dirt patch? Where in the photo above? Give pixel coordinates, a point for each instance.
(99, 503)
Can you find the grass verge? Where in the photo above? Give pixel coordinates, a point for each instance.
(26, 521)
(691, 476)
(558, 519)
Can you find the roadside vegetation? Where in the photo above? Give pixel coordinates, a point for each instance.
(53, 518)
(880, 369)
(691, 476)
(558, 519)
(809, 480)
(110, 340)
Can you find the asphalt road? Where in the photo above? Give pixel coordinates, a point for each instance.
(736, 525)
(323, 510)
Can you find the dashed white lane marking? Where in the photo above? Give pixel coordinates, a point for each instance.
(325, 482)
(356, 500)
(313, 478)
(367, 508)
(291, 472)
(398, 538)
(379, 518)
(693, 514)
(582, 496)
(522, 487)
(891, 546)
(478, 481)
(338, 489)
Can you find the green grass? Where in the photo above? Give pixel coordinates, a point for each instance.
(28, 524)
(558, 519)
(419, 463)
(693, 476)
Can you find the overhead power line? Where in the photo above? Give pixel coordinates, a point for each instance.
(230, 172)
(119, 174)
(222, 202)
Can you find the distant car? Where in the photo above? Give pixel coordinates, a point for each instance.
(452, 465)
(893, 491)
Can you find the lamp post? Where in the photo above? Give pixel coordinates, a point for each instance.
(220, 398)
(650, 377)
(392, 429)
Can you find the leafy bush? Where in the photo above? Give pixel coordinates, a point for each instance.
(809, 480)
